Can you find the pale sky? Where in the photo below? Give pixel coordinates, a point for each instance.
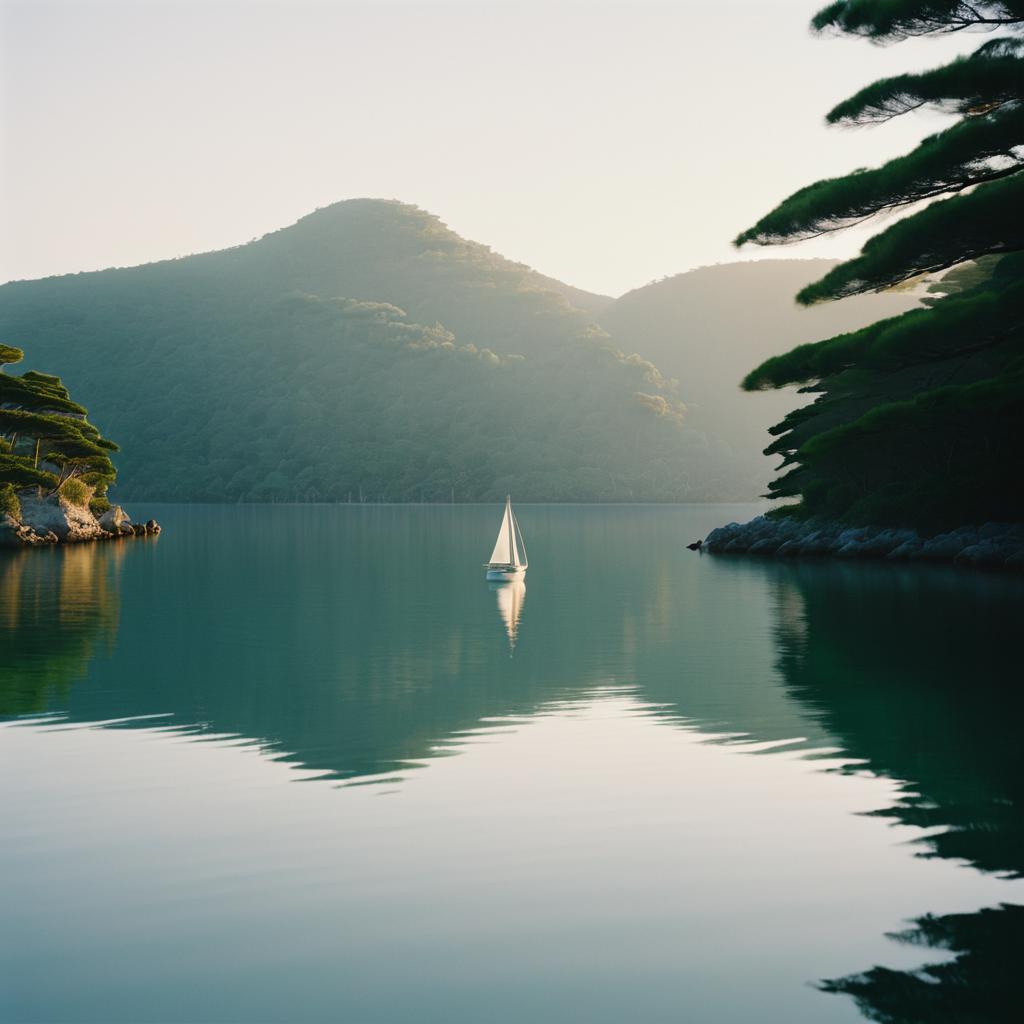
(606, 144)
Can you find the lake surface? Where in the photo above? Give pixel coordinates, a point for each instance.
(304, 764)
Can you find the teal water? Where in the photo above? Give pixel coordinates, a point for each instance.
(304, 764)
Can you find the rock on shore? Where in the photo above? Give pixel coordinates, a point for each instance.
(55, 520)
(994, 545)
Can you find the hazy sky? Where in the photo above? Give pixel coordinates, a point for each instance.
(604, 144)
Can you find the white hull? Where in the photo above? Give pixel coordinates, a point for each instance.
(507, 573)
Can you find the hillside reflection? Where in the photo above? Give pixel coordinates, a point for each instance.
(916, 672)
(364, 659)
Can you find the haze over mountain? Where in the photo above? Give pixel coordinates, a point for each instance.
(709, 327)
(369, 353)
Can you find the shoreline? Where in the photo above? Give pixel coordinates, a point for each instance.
(989, 546)
(44, 522)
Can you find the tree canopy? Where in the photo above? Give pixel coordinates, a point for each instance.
(918, 418)
(45, 438)
(977, 149)
(9, 354)
(893, 20)
(990, 76)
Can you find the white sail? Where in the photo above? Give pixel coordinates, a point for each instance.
(509, 551)
(504, 546)
(517, 538)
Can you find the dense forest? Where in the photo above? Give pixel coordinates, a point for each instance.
(369, 353)
(918, 419)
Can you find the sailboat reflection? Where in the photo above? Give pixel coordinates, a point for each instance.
(511, 598)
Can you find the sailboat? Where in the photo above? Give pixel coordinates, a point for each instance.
(508, 559)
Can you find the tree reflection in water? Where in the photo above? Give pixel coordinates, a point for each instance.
(57, 608)
(916, 672)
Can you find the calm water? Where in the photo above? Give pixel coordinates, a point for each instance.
(304, 764)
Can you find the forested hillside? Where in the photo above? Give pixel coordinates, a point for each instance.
(370, 353)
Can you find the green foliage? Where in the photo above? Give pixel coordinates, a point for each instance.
(987, 220)
(963, 323)
(919, 418)
(974, 150)
(76, 492)
(989, 77)
(26, 394)
(9, 503)
(979, 153)
(946, 454)
(20, 472)
(46, 441)
(887, 20)
(9, 354)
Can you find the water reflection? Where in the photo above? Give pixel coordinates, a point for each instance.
(57, 608)
(980, 985)
(511, 598)
(341, 649)
(915, 672)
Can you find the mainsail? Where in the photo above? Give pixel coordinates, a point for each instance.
(508, 548)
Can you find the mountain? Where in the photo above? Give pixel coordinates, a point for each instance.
(709, 328)
(368, 352)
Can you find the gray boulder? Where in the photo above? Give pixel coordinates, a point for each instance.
(907, 550)
(764, 546)
(985, 553)
(54, 514)
(115, 519)
(946, 546)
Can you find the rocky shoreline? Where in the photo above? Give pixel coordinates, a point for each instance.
(54, 520)
(993, 545)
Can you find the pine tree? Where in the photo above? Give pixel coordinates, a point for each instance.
(919, 419)
(45, 437)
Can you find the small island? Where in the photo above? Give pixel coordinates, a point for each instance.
(55, 466)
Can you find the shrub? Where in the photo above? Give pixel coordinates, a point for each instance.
(76, 492)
